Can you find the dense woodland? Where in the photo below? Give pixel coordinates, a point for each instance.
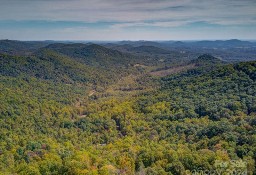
(84, 109)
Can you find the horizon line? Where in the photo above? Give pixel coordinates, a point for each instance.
(84, 40)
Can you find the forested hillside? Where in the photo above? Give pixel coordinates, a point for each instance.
(85, 109)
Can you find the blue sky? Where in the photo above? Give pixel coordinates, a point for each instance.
(127, 19)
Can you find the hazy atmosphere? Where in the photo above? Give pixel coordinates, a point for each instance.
(127, 19)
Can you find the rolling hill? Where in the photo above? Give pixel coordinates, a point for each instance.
(87, 109)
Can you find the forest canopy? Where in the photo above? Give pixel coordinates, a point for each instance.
(86, 109)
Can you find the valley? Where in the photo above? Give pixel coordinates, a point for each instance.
(126, 107)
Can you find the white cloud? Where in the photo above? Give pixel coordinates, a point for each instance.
(127, 18)
(132, 11)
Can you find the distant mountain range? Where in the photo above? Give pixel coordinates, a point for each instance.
(228, 50)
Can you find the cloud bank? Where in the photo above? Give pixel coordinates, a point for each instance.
(128, 19)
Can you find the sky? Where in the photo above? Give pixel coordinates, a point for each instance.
(127, 19)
